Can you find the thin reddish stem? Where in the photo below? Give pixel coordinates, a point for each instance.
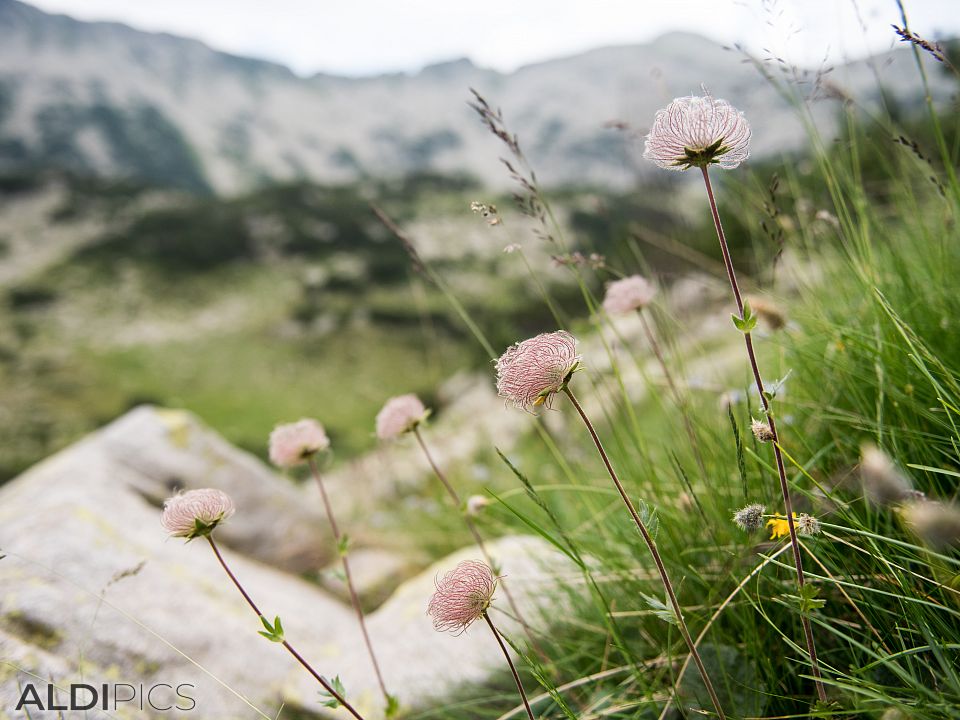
(513, 669)
(290, 649)
(652, 546)
(478, 539)
(354, 596)
(781, 470)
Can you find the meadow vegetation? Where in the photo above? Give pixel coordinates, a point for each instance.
(856, 243)
(857, 240)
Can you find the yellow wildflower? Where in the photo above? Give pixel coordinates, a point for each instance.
(779, 527)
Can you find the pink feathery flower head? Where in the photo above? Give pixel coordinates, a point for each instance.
(195, 513)
(462, 596)
(529, 373)
(293, 443)
(629, 294)
(698, 131)
(400, 415)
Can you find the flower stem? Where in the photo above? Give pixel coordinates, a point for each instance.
(513, 668)
(354, 597)
(253, 606)
(455, 497)
(652, 546)
(781, 471)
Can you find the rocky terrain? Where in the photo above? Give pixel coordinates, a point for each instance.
(93, 589)
(106, 98)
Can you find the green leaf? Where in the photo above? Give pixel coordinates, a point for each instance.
(660, 609)
(393, 706)
(648, 515)
(748, 322)
(824, 709)
(807, 600)
(775, 387)
(343, 544)
(538, 529)
(273, 633)
(332, 701)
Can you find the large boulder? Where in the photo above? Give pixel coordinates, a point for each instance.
(93, 591)
(158, 451)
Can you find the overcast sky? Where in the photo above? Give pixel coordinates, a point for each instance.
(360, 37)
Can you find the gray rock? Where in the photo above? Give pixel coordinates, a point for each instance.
(93, 590)
(376, 573)
(167, 450)
(420, 664)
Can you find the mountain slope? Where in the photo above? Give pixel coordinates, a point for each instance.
(108, 99)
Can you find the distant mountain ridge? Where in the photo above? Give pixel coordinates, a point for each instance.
(106, 99)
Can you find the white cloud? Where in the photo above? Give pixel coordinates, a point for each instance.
(371, 36)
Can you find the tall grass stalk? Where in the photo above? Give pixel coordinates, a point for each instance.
(768, 412)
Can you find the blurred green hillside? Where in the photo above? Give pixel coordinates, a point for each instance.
(295, 300)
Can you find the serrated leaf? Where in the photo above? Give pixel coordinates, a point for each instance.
(648, 515)
(660, 609)
(332, 701)
(807, 600)
(393, 706)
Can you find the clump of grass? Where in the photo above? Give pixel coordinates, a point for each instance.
(871, 357)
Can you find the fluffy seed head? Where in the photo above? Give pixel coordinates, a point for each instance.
(761, 430)
(808, 525)
(462, 596)
(400, 415)
(882, 481)
(769, 312)
(937, 524)
(293, 443)
(529, 373)
(749, 518)
(629, 294)
(195, 513)
(698, 131)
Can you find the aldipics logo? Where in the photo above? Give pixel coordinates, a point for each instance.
(161, 697)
